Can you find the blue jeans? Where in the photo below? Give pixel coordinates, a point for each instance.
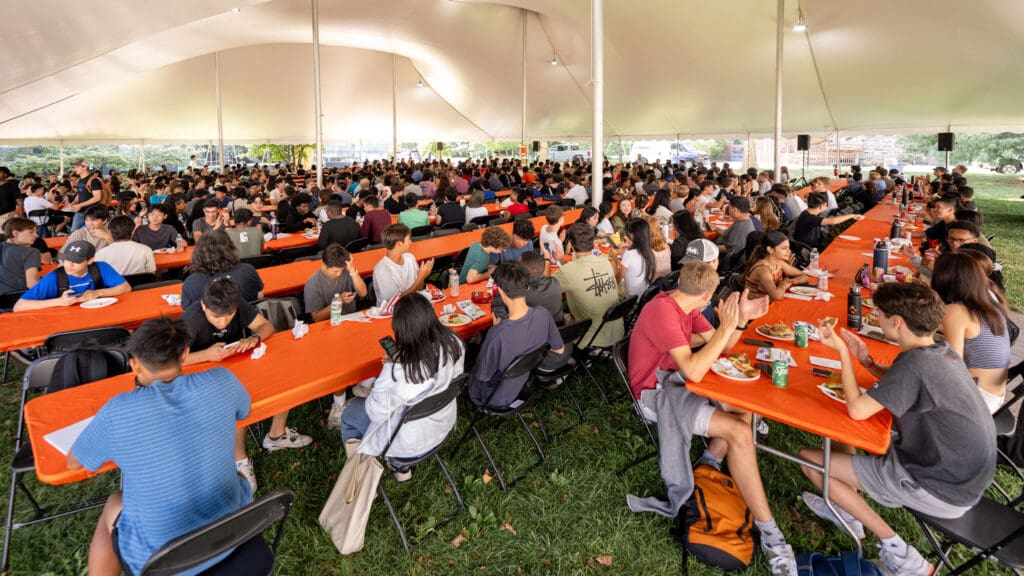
(354, 420)
(78, 221)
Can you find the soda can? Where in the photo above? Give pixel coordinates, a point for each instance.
(907, 236)
(823, 282)
(780, 374)
(799, 338)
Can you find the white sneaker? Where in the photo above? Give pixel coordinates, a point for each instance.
(913, 564)
(244, 468)
(817, 505)
(403, 476)
(334, 416)
(290, 439)
(362, 390)
(781, 559)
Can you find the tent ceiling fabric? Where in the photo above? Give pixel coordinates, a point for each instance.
(115, 71)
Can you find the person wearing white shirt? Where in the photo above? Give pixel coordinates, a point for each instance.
(578, 193)
(397, 272)
(822, 184)
(124, 255)
(35, 201)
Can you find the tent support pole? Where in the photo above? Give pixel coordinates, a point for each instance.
(220, 113)
(142, 156)
(779, 30)
(522, 127)
(394, 107)
(597, 85)
(316, 90)
(61, 159)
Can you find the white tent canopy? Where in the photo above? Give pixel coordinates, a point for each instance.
(115, 71)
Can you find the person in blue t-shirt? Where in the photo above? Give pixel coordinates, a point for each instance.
(84, 278)
(171, 485)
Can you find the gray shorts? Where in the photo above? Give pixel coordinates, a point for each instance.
(703, 417)
(889, 484)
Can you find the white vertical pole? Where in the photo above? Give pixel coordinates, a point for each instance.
(62, 159)
(394, 106)
(597, 84)
(522, 126)
(316, 90)
(142, 156)
(220, 113)
(780, 24)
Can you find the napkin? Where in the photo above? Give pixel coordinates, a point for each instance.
(172, 299)
(818, 273)
(847, 237)
(388, 308)
(354, 317)
(826, 363)
(798, 296)
(259, 351)
(300, 329)
(826, 296)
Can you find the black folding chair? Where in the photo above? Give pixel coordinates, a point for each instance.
(560, 378)
(457, 225)
(7, 302)
(309, 258)
(566, 203)
(1005, 422)
(135, 280)
(261, 261)
(469, 227)
(424, 409)
(524, 364)
(421, 232)
(438, 232)
(357, 245)
(241, 530)
(620, 353)
(613, 313)
(159, 284)
(37, 378)
(286, 255)
(109, 337)
(497, 221)
(481, 220)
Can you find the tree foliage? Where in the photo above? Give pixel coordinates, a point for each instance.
(984, 148)
(296, 154)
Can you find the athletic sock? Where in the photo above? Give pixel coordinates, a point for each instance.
(896, 545)
(716, 462)
(771, 536)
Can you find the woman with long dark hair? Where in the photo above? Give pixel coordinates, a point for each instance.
(637, 267)
(659, 208)
(216, 256)
(975, 324)
(769, 270)
(428, 357)
(687, 230)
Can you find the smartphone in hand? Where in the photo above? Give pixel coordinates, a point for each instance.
(390, 347)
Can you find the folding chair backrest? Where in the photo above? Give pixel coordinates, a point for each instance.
(261, 261)
(481, 220)
(620, 310)
(434, 404)
(92, 338)
(212, 540)
(280, 312)
(524, 363)
(159, 284)
(421, 231)
(135, 280)
(573, 332)
(357, 245)
(8, 300)
(85, 365)
(293, 254)
(445, 231)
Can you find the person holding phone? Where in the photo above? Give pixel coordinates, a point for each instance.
(424, 358)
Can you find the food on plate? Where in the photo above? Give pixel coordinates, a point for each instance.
(742, 363)
(834, 381)
(828, 322)
(871, 318)
(780, 329)
(455, 319)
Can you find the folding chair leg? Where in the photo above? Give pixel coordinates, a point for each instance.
(9, 523)
(39, 512)
(7, 357)
(451, 482)
(622, 471)
(490, 459)
(536, 445)
(600, 389)
(575, 402)
(394, 516)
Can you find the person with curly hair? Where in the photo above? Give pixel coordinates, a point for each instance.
(216, 256)
(477, 267)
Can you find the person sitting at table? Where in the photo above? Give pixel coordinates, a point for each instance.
(975, 320)
(429, 357)
(215, 256)
(659, 246)
(246, 235)
(339, 228)
(943, 457)
(449, 211)
(552, 237)
(517, 203)
(95, 230)
(619, 218)
(475, 205)
(476, 268)
(220, 194)
(256, 204)
(159, 501)
(661, 355)
(337, 275)
(397, 273)
(588, 281)
(35, 201)
(942, 212)
(807, 228)
(125, 255)
(545, 291)
(412, 216)
(523, 330)
(794, 204)
(222, 317)
(20, 263)
(156, 234)
(299, 217)
(375, 221)
(768, 270)
(211, 220)
(604, 225)
(659, 208)
(687, 230)
(823, 185)
(79, 279)
(705, 199)
(734, 239)
(636, 268)
(522, 242)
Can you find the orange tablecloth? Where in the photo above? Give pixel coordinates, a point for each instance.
(30, 328)
(801, 405)
(291, 373)
(55, 242)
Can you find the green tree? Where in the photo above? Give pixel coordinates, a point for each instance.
(295, 154)
(987, 148)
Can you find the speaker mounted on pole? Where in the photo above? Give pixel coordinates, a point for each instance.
(945, 141)
(803, 142)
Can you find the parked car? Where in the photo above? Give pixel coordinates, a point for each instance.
(1009, 166)
(568, 152)
(683, 154)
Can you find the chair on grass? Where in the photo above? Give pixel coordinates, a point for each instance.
(620, 353)
(37, 378)
(292, 254)
(242, 530)
(423, 409)
(524, 364)
(571, 335)
(159, 284)
(111, 336)
(261, 261)
(357, 245)
(135, 280)
(280, 312)
(481, 221)
(421, 232)
(469, 227)
(438, 232)
(457, 225)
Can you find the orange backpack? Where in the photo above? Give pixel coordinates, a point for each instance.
(715, 524)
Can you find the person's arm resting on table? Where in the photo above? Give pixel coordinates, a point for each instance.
(859, 405)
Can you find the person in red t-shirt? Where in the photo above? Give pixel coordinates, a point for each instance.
(660, 351)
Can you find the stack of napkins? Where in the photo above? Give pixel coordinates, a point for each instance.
(259, 351)
(300, 329)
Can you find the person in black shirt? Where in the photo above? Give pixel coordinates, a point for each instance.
(449, 210)
(299, 217)
(394, 203)
(808, 225)
(943, 211)
(339, 228)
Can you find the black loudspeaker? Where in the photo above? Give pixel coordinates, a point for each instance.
(440, 146)
(536, 145)
(945, 141)
(803, 142)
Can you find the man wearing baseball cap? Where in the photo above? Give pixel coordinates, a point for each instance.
(706, 251)
(79, 279)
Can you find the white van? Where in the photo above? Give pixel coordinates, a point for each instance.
(568, 152)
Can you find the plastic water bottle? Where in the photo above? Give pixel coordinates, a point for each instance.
(815, 259)
(179, 243)
(453, 282)
(273, 226)
(336, 305)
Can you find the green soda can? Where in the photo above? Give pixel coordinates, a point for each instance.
(780, 374)
(800, 336)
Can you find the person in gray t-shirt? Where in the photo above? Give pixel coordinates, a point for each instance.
(942, 457)
(20, 263)
(337, 275)
(734, 239)
(544, 292)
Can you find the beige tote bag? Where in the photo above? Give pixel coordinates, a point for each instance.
(347, 511)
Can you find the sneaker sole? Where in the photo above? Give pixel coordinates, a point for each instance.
(273, 448)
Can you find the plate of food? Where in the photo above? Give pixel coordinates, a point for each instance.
(377, 312)
(434, 295)
(869, 303)
(833, 391)
(736, 367)
(454, 320)
(98, 302)
(777, 331)
(804, 290)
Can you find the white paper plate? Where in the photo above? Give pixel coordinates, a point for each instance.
(374, 313)
(804, 290)
(724, 368)
(455, 320)
(763, 331)
(830, 393)
(98, 303)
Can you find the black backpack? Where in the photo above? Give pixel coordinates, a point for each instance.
(94, 273)
(85, 365)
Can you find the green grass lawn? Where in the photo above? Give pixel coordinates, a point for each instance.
(567, 517)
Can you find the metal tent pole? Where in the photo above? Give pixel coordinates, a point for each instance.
(779, 28)
(597, 84)
(522, 126)
(62, 159)
(394, 107)
(316, 89)
(220, 113)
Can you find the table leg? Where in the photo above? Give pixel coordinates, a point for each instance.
(825, 485)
